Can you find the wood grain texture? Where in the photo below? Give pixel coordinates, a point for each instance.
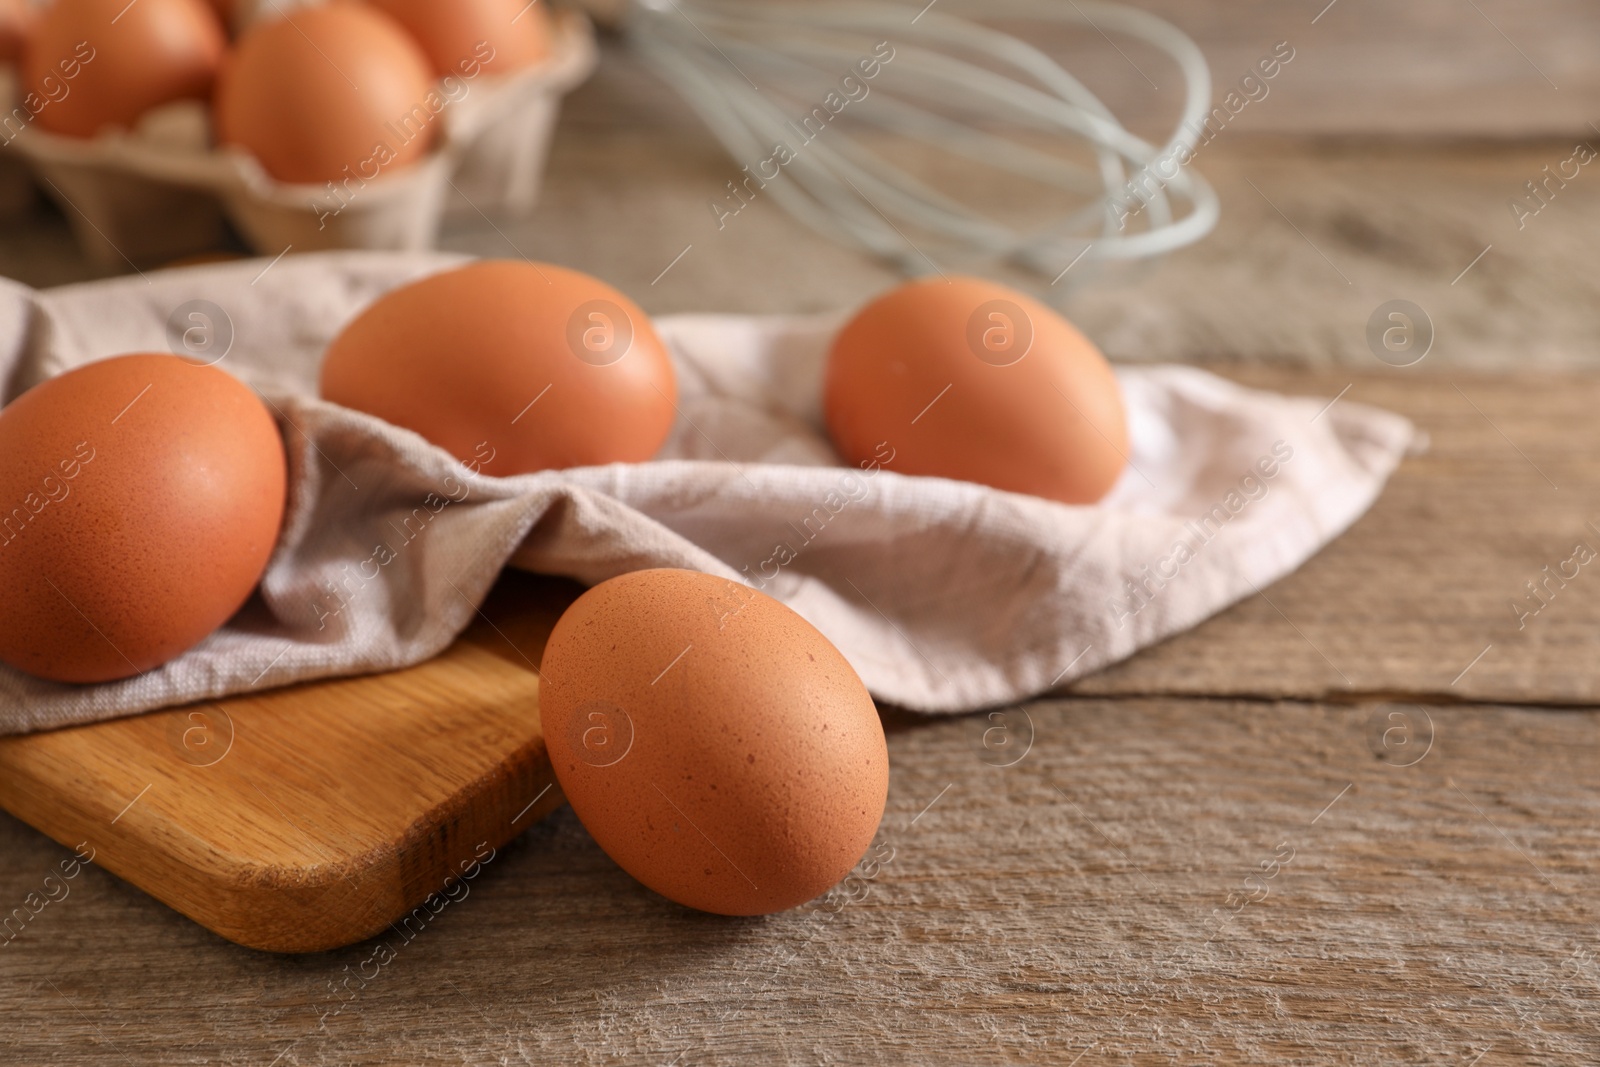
(1424, 68)
(1135, 879)
(1435, 576)
(1441, 913)
(1097, 894)
(1315, 234)
(307, 818)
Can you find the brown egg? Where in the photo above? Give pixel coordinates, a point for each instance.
(469, 37)
(100, 63)
(16, 26)
(511, 366)
(227, 11)
(970, 380)
(140, 498)
(715, 745)
(329, 94)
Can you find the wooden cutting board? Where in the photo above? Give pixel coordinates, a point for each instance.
(311, 817)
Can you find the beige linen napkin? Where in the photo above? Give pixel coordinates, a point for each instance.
(946, 596)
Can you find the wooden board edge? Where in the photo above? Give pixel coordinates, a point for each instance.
(347, 901)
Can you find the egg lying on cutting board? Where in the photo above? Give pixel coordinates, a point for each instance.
(970, 380)
(471, 37)
(712, 741)
(511, 366)
(328, 94)
(103, 63)
(140, 499)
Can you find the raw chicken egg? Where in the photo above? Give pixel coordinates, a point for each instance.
(227, 11)
(140, 499)
(469, 37)
(712, 741)
(16, 26)
(511, 366)
(970, 380)
(92, 64)
(329, 94)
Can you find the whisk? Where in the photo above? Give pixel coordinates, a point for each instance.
(965, 88)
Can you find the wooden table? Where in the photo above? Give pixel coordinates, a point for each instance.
(1351, 820)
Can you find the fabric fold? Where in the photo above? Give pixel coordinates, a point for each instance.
(946, 596)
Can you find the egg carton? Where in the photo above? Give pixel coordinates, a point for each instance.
(16, 184)
(162, 191)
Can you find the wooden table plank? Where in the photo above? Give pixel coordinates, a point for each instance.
(1442, 912)
(630, 178)
(1078, 898)
(1357, 69)
(1414, 593)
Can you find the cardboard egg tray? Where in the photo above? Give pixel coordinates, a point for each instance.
(163, 191)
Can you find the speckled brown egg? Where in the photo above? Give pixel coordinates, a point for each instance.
(335, 94)
(713, 742)
(140, 499)
(966, 379)
(16, 26)
(465, 38)
(512, 367)
(93, 64)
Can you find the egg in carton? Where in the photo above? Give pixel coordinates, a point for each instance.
(16, 185)
(164, 189)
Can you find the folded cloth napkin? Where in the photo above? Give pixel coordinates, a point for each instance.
(945, 596)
